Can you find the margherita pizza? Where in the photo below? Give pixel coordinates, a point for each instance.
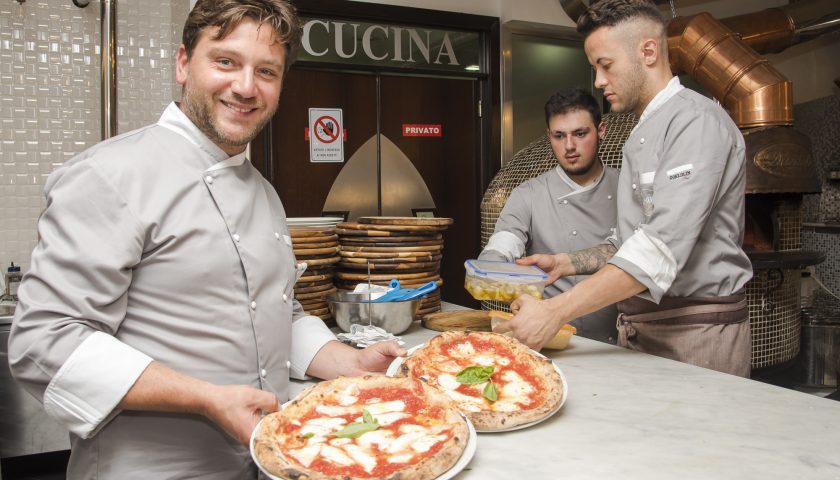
(496, 381)
(362, 428)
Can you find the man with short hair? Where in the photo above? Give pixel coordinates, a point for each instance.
(676, 265)
(158, 320)
(567, 208)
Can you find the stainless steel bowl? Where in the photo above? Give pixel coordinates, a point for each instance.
(394, 317)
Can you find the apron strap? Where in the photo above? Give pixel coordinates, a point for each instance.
(711, 310)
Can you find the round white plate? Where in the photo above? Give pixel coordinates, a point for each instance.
(394, 367)
(462, 462)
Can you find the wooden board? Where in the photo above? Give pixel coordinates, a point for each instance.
(470, 320)
(435, 221)
(386, 229)
(314, 239)
(299, 252)
(298, 246)
(383, 277)
(392, 239)
(314, 288)
(401, 249)
(374, 255)
(317, 311)
(391, 261)
(319, 295)
(425, 266)
(309, 232)
(322, 261)
(309, 280)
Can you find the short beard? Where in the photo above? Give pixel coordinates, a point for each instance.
(199, 113)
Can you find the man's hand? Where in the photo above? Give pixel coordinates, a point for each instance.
(336, 358)
(238, 409)
(534, 323)
(555, 266)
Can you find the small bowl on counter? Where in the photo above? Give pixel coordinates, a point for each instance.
(354, 308)
(559, 342)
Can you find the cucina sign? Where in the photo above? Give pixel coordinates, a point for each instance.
(337, 41)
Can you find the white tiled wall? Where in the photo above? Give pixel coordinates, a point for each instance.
(50, 93)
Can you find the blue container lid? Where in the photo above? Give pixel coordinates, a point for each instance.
(505, 270)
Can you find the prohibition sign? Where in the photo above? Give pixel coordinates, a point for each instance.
(326, 129)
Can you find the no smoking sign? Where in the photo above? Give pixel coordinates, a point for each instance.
(325, 138)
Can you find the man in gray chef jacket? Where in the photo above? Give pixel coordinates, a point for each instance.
(158, 319)
(567, 208)
(676, 264)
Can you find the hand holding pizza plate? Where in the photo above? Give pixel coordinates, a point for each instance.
(499, 383)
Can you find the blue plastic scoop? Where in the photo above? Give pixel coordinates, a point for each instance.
(402, 294)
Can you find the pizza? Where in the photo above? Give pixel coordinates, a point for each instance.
(361, 428)
(496, 381)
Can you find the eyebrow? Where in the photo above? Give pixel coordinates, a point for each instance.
(577, 130)
(226, 52)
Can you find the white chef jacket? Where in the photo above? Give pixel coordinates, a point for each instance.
(551, 213)
(156, 245)
(685, 159)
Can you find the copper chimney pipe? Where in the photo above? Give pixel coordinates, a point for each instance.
(752, 91)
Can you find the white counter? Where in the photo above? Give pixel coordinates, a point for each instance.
(634, 416)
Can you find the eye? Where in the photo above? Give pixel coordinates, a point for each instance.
(225, 62)
(267, 72)
(580, 134)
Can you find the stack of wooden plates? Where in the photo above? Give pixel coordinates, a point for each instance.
(408, 249)
(318, 248)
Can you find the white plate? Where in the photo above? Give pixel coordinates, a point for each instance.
(462, 462)
(313, 221)
(394, 367)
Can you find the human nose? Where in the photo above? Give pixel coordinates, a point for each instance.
(244, 84)
(600, 81)
(570, 143)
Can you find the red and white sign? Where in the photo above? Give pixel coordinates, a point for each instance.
(421, 130)
(325, 135)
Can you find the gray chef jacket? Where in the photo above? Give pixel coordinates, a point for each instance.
(156, 245)
(551, 214)
(681, 199)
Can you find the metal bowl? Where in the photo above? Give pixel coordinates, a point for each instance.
(394, 317)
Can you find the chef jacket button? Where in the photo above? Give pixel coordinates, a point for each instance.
(634, 186)
(565, 202)
(208, 179)
(288, 364)
(642, 140)
(236, 236)
(277, 235)
(609, 197)
(263, 373)
(285, 297)
(253, 305)
(574, 232)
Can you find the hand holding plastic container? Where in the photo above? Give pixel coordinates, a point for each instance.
(503, 281)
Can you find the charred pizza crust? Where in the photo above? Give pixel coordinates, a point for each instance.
(425, 362)
(271, 444)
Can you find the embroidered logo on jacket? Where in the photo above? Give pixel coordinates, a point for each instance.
(683, 171)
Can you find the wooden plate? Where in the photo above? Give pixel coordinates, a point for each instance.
(308, 303)
(391, 261)
(322, 261)
(298, 246)
(319, 295)
(469, 320)
(313, 288)
(315, 239)
(393, 267)
(408, 238)
(434, 221)
(367, 249)
(309, 232)
(385, 277)
(317, 311)
(314, 251)
(373, 255)
(309, 280)
(386, 229)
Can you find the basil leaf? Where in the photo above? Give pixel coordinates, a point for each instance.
(474, 375)
(355, 430)
(367, 417)
(490, 392)
(308, 435)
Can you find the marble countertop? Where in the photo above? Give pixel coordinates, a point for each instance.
(631, 415)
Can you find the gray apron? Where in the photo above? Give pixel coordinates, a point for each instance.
(710, 332)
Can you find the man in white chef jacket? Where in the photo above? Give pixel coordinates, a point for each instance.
(158, 319)
(567, 208)
(676, 264)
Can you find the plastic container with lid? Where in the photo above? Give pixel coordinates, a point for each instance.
(503, 281)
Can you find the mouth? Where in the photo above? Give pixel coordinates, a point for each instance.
(572, 158)
(610, 96)
(238, 108)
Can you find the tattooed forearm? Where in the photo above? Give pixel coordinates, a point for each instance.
(589, 261)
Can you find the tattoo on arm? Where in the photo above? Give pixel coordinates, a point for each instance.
(589, 261)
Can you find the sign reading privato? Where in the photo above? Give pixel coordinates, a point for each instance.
(362, 43)
(421, 130)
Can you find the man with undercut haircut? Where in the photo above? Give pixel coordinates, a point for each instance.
(567, 208)
(675, 265)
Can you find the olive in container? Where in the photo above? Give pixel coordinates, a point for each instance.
(503, 281)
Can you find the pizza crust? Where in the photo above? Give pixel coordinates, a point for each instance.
(489, 420)
(270, 456)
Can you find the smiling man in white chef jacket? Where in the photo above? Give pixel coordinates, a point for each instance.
(676, 265)
(158, 319)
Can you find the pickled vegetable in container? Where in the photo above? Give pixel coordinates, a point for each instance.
(503, 281)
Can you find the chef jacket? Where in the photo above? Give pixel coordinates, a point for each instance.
(156, 245)
(551, 214)
(681, 199)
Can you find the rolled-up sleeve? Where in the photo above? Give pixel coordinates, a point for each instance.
(73, 299)
(309, 334)
(513, 227)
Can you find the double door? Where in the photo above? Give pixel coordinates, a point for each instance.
(412, 145)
